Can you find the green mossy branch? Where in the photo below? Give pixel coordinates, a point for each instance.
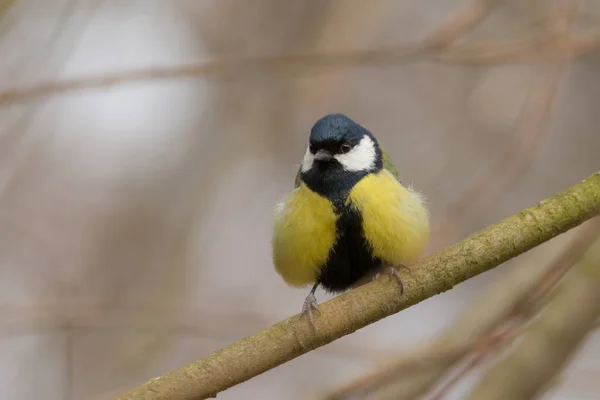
(552, 338)
(360, 307)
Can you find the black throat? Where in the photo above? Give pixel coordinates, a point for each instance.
(332, 181)
(351, 257)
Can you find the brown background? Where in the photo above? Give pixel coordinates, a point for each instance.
(135, 219)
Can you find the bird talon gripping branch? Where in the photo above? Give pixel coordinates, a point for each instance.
(393, 273)
(348, 214)
(310, 305)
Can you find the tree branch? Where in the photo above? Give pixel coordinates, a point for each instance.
(482, 53)
(471, 15)
(494, 319)
(552, 338)
(367, 304)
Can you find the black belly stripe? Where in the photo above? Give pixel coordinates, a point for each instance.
(351, 257)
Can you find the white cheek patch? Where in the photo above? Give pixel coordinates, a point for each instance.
(362, 157)
(307, 161)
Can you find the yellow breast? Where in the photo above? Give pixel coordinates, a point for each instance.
(395, 220)
(304, 232)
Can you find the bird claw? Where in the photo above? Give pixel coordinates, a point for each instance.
(310, 304)
(393, 272)
(402, 265)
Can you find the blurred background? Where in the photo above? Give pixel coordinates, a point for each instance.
(135, 211)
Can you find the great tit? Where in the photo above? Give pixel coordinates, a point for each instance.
(349, 218)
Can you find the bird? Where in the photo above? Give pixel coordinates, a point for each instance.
(349, 218)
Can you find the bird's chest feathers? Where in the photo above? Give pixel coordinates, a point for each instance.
(337, 240)
(394, 219)
(304, 234)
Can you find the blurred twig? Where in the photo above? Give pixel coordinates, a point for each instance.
(520, 154)
(367, 304)
(467, 53)
(461, 22)
(82, 316)
(530, 132)
(373, 19)
(480, 351)
(5, 5)
(561, 265)
(441, 354)
(511, 326)
(544, 349)
(494, 320)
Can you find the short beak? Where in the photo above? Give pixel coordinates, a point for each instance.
(323, 155)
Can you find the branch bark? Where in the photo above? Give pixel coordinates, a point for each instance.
(367, 304)
(552, 339)
(492, 319)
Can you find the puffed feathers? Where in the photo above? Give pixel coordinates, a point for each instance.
(349, 216)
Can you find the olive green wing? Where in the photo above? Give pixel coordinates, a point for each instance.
(297, 180)
(388, 164)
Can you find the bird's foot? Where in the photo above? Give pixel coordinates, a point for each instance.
(393, 272)
(310, 305)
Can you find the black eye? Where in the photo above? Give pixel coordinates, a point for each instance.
(311, 148)
(345, 148)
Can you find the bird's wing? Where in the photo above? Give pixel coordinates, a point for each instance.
(388, 164)
(297, 180)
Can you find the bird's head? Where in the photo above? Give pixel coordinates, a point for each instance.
(340, 152)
